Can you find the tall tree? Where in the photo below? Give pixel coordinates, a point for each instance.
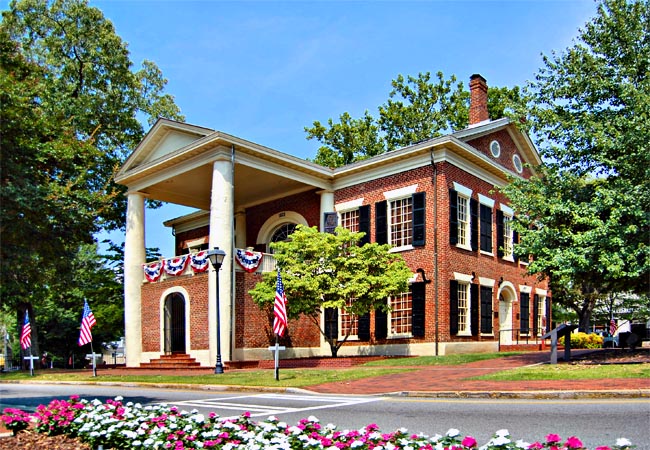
(330, 270)
(418, 108)
(70, 108)
(586, 222)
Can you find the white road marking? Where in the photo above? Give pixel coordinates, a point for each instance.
(262, 409)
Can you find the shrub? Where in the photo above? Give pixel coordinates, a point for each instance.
(584, 340)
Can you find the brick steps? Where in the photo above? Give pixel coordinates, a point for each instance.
(174, 362)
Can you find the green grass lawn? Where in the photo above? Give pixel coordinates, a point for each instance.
(569, 372)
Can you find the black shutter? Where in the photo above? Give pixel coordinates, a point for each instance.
(453, 217)
(417, 309)
(419, 219)
(381, 222)
(473, 214)
(486, 228)
(364, 223)
(549, 316)
(381, 324)
(499, 233)
(331, 221)
(515, 240)
(473, 308)
(364, 327)
(486, 309)
(453, 307)
(524, 312)
(535, 315)
(331, 323)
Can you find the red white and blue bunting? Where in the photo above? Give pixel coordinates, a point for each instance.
(248, 259)
(153, 271)
(200, 262)
(176, 266)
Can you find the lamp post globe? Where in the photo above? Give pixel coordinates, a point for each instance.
(216, 257)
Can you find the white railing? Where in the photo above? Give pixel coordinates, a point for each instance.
(268, 264)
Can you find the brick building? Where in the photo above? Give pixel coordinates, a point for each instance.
(434, 202)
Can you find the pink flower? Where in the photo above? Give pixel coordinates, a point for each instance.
(573, 442)
(536, 445)
(604, 447)
(552, 438)
(469, 441)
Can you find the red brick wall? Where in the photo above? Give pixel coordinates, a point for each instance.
(307, 204)
(508, 149)
(254, 326)
(188, 235)
(197, 289)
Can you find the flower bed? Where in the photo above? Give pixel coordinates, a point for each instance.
(119, 425)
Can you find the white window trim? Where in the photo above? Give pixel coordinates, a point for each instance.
(468, 330)
(541, 292)
(396, 194)
(486, 281)
(392, 335)
(462, 277)
(464, 191)
(339, 319)
(525, 289)
(487, 201)
(506, 210)
(508, 214)
(349, 206)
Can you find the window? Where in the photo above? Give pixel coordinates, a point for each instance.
(400, 219)
(524, 312)
(463, 308)
(463, 305)
(495, 148)
(400, 233)
(486, 310)
(539, 320)
(463, 218)
(516, 161)
(400, 314)
(505, 233)
(349, 322)
(463, 221)
(350, 220)
(282, 232)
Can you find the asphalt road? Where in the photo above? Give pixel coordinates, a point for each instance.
(596, 422)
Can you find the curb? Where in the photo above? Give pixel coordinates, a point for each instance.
(529, 395)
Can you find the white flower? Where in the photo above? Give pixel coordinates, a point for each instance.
(500, 440)
(312, 419)
(623, 442)
(502, 432)
(452, 432)
(522, 444)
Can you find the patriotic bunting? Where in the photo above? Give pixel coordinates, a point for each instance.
(200, 262)
(153, 271)
(176, 266)
(248, 259)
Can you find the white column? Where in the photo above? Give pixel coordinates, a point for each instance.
(134, 257)
(326, 205)
(240, 229)
(221, 235)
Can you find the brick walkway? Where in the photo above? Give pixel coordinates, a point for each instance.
(449, 380)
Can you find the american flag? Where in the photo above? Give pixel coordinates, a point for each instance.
(612, 327)
(26, 334)
(280, 308)
(87, 322)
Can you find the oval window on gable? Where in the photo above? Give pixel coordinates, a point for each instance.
(495, 148)
(516, 160)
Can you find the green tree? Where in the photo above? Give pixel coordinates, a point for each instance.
(585, 221)
(330, 270)
(418, 108)
(70, 109)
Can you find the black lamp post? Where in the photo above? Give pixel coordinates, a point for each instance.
(216, 257)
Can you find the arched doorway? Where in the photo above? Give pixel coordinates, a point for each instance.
(506, 298)
(174, 329)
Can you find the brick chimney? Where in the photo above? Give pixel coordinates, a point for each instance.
(478, 88)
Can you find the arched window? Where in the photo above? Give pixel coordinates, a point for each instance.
(282, 232)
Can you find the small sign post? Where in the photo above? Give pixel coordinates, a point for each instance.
(31, 363)
(276, 349)
(93, 356)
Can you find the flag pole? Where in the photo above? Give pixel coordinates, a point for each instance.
(92, 352)
(277, 359)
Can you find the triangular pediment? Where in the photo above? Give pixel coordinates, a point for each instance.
(164, 138)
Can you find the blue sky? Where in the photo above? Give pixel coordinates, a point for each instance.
(265, 70)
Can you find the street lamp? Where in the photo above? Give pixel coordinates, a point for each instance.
(216, 257)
